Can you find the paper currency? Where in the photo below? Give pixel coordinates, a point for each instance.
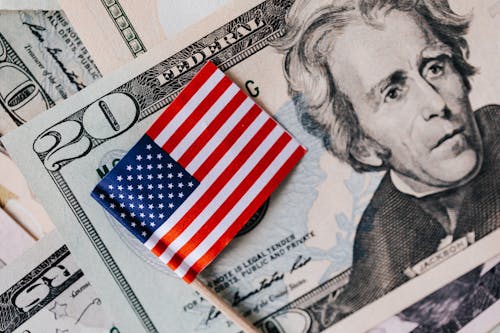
(45, 291)
(29, 5)
(293, 265)
(468, 304)
(131, 28)
(42, 60)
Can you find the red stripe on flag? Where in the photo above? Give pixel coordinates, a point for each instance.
(212, 128)
(244, 216)
(181, 100)
(226, 144)
(219, 183)
(196, 114)
(231, 201)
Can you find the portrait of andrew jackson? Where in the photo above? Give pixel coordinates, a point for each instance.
(385, 85)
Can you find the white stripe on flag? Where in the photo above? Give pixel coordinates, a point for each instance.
(242, 204)
(207, 118)
(208, 180)
(188, 108)
(225, 192)
(219, 136)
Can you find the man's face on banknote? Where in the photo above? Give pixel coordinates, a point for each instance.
(409, 98)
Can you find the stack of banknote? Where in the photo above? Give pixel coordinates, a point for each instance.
(388, 224)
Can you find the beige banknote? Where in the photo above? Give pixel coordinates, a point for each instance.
(29, 5)
(328, 232)
(46, 291)
(130, 28)
(41, 286)
(42, 61)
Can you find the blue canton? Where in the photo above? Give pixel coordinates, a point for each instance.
(144, 188)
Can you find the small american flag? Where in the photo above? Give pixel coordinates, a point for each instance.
(199, 173)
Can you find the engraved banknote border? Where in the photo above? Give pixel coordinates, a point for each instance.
(13, 58)
(225, 59)
(124, 27)
(17, 318)
(103, 252)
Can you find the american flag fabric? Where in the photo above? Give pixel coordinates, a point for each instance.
(199, 173)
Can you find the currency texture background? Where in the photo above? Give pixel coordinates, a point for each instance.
(288, 269)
